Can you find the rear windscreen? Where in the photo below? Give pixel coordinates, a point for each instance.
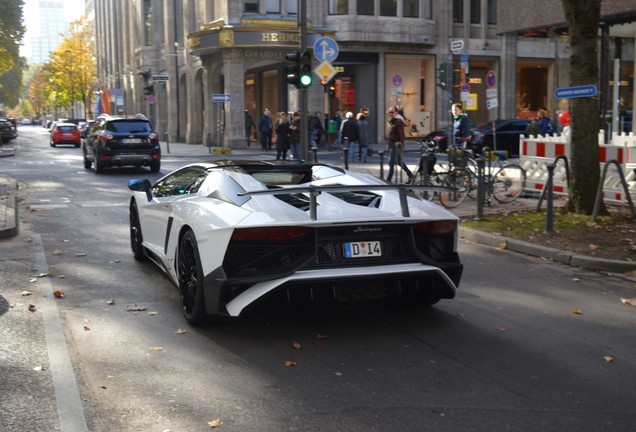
(67, 128)
(129, 126)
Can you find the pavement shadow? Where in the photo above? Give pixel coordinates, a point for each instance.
(4, 305)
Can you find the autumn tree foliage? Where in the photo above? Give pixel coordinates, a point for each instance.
(582, 18)
(71, 72)
(11, 33)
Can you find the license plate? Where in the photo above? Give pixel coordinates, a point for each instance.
(362, 249)
(130, 141)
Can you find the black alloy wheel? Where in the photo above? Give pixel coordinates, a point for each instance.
(190, 275)
(136, 238)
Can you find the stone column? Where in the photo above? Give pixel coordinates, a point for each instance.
(233, 73)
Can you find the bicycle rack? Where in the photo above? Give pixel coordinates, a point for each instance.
(599, 192)
(545, 186)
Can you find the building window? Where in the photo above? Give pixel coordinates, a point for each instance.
(388, 7)
(272, 6)
(365, 7)
(410, 8)
(475, 11)
(492, 11)
(428, 9)
(251, 6)
(458, 11)
(338, 7)
(292, 7)
(148, 35)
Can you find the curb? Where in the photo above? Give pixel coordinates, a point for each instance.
(567, 258)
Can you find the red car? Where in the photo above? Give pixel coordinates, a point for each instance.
(65, 133)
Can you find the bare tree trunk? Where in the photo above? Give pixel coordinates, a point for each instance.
(582, 17)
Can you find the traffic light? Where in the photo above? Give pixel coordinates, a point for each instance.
(330, 88)
(442, 76)
(299, 72)
(304, 68)
(292, 71)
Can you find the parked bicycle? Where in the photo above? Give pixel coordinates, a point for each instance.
(454, 175)
(503, 181)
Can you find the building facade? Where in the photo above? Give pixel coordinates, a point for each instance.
(195, 66)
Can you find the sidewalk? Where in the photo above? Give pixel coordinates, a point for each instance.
(9, 193)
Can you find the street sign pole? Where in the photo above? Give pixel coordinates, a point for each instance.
(304, 127)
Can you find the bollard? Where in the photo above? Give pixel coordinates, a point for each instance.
(209, 142)
(481, 190)
(315, 152)
(167, 143)
(345, 151)
(381, 154)
(398, 162)
(429, 161)
(549, 214)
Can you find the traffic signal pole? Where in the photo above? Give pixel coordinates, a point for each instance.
(303, 102)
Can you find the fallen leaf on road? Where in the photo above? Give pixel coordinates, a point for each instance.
(41, 275)
(28, 239)
(110, 301)
(32, 308)
(80, 254)
(593, 246)
(289, 363)
(86, 327)
(215, 423)
(608, 358)
(501, 329)
(134, 308)
(181, 331)
(503, 245)
(321, 336)
(58, 252)
(629, 301)
(296, 345)
(152, 313)
(155, 348)
(33, 280)
(58, 294)
(577, 312)
(576, 280)
(26, 293)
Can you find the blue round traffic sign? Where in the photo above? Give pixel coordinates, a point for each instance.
(491, 79)
(326, 49)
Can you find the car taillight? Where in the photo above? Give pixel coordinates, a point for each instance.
(153, 136)
(271, 234)
(435, 227)
(106, 136)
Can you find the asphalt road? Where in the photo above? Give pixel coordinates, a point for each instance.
(528, 344)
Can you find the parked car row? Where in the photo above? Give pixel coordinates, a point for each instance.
(8, 130)
(497, 135)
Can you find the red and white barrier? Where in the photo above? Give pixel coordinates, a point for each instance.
(537, 152)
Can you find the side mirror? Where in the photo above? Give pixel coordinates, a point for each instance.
(139, 185)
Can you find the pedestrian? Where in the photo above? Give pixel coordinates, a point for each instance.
(249, 125)
(294, 136)
(350, 133)
(316, 129)
(265, 129)
(461, 126)
(544, 123)
(395, 136)
(282, 136)
(363, 126)
(337, 117)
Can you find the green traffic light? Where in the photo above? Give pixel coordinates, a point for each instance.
(305, 80)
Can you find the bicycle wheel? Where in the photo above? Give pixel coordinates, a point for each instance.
(508, 183)
(459, 179)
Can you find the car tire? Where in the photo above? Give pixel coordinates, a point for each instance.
(52, 144)
(99, 167)
(190, 277)
(136, 237)
(77, 145)
(155, 166)
(87, 162)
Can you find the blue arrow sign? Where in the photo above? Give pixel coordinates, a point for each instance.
(575, 92)
(326, 49)
(221, 97)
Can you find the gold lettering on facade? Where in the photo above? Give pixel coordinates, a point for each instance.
(280, 37)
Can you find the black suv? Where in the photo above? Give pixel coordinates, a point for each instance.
(117, 141)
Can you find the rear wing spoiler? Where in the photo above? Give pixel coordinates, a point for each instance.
(314, 191)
